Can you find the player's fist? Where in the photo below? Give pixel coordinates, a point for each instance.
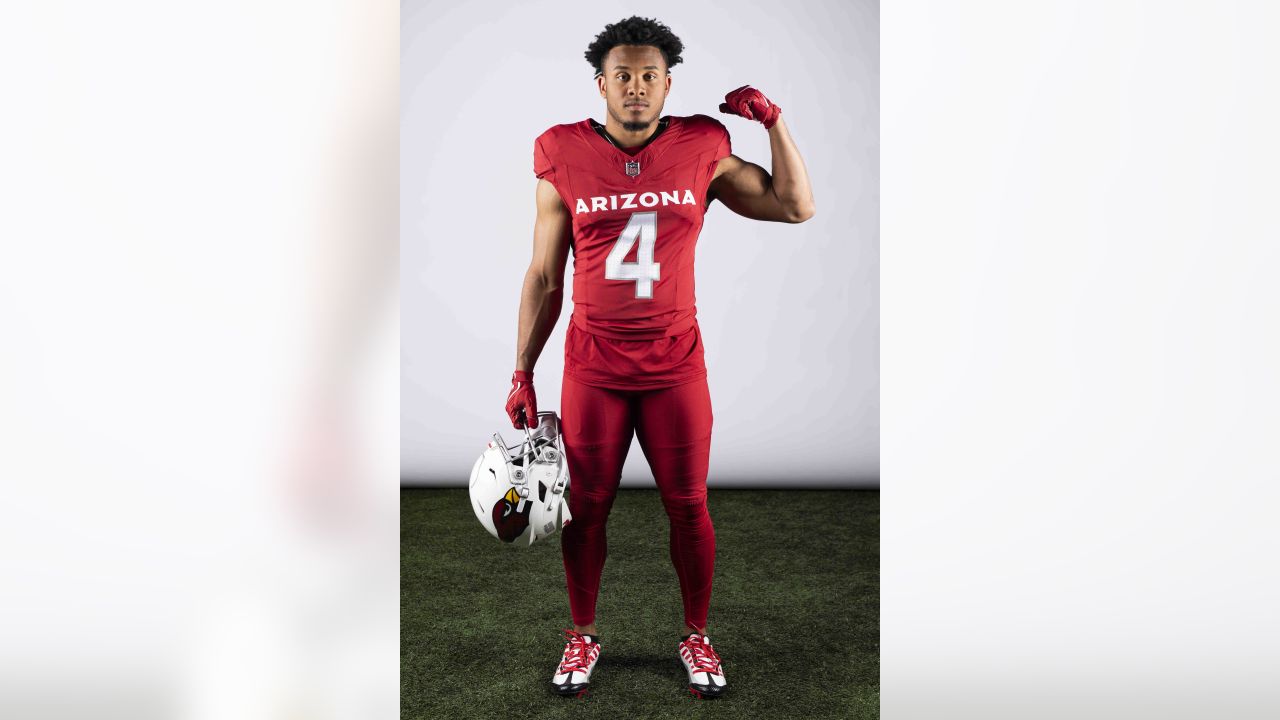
(751, 104)
(522, 404)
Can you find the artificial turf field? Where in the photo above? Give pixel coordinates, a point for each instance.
(794, 611)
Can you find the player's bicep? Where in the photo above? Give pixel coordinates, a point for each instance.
(552, 233)
(746, 189)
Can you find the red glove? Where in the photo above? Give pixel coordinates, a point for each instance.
(522, 404)
(751, 104)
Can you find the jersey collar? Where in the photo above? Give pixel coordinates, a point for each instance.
(602, 132)
(646, 160)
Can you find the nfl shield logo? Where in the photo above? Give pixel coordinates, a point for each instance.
(633, 168)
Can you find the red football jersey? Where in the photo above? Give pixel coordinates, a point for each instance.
(636, 220)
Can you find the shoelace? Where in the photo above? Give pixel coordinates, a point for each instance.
(576, 658)
(704, 657)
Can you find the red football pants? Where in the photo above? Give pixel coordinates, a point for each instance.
(674, 428)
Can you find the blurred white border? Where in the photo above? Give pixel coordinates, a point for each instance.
(1081, 360)
(199, 363)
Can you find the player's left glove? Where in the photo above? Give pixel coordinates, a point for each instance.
(751, 104)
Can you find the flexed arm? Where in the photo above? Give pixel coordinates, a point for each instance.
(745, 187)
(540, 300)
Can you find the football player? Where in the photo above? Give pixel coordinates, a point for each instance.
(628, 197)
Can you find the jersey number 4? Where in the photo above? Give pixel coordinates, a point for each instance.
(642, 227)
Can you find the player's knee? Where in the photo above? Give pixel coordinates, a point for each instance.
(588, 509)
(686, 510)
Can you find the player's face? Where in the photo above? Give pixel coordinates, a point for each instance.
(634, 85)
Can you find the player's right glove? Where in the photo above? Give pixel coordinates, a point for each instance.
(522, 403)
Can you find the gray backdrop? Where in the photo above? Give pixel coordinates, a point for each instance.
(789, 313)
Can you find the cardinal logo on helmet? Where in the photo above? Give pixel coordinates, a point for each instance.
(507, 519)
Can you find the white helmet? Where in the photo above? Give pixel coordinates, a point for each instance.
(517, 493)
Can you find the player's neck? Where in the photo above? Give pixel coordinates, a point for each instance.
(626, 138)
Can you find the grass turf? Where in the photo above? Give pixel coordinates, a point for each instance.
(794, 611)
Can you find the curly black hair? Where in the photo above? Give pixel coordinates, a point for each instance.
(635, 30)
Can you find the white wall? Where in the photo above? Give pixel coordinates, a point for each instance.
(789, 314)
